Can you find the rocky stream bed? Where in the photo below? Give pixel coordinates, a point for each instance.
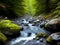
(31, 27)
(29, 35)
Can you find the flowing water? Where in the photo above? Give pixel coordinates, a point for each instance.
(28, 33)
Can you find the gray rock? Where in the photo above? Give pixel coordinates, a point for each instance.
(55, 37)
(53, 25)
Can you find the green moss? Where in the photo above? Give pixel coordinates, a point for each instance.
(46, 25)
(3, 37)
(40, 34)
(55, 22)
(49, 39)
(13, 27)
(6, 21)
(7, 24)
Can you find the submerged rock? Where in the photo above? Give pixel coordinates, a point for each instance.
(9, 28)
(39, 35)
(53, 25)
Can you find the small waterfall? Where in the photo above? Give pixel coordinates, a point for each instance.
(20, 39)
(23, 34)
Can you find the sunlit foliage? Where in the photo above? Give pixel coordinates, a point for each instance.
(30, 7)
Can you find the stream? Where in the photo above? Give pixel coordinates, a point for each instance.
(31, 27)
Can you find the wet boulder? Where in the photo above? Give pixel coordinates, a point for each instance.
(42, 24)
(53, 25)
(54, 38)
(9, 28)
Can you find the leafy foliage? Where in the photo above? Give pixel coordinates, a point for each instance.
(41, 7)
(30, 7)
(18, 7)
(46, 6)
(12, 7)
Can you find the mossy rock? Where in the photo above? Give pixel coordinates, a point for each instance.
(8, 26)
(53, 25)
(49, 39)
(3, 38)
(53, 37)
(40, 34)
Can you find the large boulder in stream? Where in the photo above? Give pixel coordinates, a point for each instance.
(7, 27)
(54, 38)
(53, 25)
